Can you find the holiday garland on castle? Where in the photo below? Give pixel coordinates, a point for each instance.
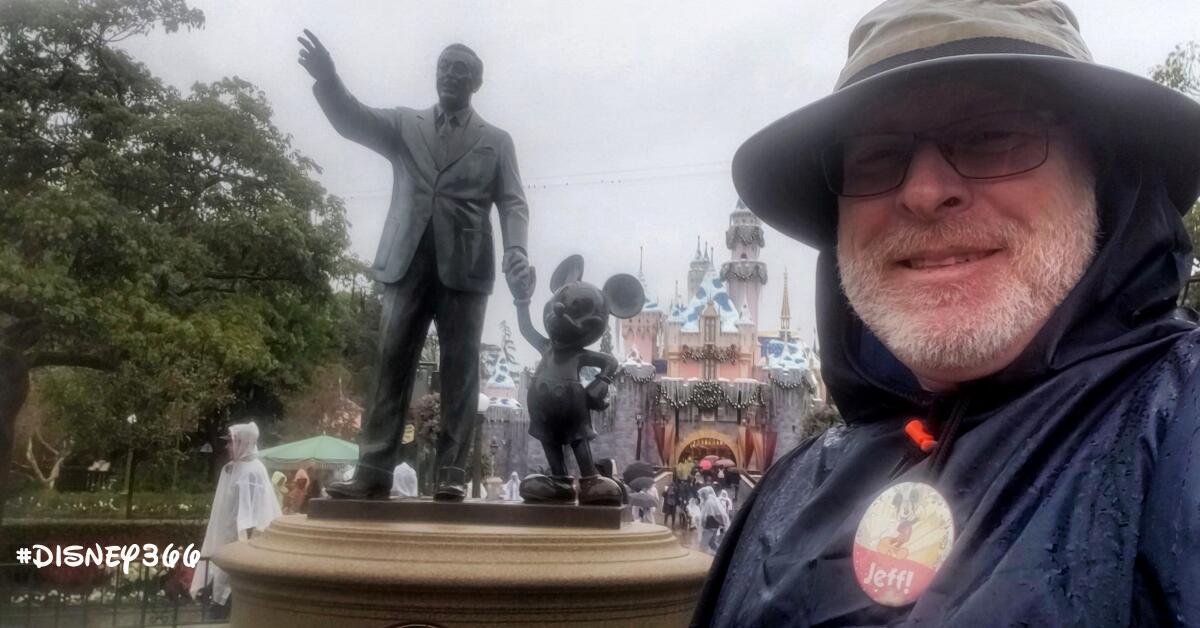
(746, 234)
(744, 270)
(707, 395)
(785, 385)
(710, 352)
(623, 372)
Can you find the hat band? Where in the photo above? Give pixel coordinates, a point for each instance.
(977, 46)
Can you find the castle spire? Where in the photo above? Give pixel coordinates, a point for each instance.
(785, 312)
(641, 257)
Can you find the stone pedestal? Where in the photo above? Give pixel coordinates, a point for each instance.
(311, 572)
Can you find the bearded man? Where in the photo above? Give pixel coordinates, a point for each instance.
(1002, 247)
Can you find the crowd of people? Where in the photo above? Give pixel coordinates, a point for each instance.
(700, 504)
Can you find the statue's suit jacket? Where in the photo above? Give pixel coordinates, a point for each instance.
(454, 194)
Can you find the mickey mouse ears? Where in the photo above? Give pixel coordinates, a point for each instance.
(625, 295)
(569, 271)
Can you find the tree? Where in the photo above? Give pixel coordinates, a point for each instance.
(507, 344)
(822, 417)
(323, 407)
(176, 244)
(606, 343)
(1181, 71)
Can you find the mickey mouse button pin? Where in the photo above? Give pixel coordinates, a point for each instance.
(902, 542)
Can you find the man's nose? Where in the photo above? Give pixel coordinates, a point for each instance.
(932, 188)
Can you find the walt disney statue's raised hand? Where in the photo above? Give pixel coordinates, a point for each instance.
(315, 58)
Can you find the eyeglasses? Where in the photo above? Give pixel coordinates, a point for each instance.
(989, 146)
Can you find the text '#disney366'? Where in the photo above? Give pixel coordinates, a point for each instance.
(99, 555)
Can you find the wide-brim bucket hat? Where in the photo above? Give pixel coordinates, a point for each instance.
(777, 172)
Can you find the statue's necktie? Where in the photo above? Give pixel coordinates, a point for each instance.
(444, 139)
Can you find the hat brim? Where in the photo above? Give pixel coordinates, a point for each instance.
(777, 171)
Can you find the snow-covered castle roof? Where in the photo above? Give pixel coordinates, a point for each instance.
(651, 303)
(786, 356)
(711, 288)
(503, 371)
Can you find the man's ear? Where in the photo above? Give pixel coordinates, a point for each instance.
(476, 84)
(569, 271)
(625, 295)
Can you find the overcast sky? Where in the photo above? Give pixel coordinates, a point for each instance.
(625, 115)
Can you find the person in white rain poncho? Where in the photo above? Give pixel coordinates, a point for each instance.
(713, 519)
(279, 483)
(512, 488)
(726, 502)
(244, 501)
(404, 481)
(693, 513)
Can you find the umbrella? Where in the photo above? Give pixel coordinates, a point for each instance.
(636, 470)
(706, 464)
(724, 462)
(643, 500)
(642, 483)
(711, 457)
(319, 451)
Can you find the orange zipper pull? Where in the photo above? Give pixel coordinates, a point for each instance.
(919, 435)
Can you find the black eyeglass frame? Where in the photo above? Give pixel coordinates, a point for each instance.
(1047, 117)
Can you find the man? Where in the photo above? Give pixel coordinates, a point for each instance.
(1001, 248)
(435, 256)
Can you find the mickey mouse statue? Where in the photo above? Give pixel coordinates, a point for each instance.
(559, 405)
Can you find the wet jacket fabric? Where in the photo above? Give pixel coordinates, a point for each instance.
(1073, 475)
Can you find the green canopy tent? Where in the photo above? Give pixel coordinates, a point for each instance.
(317, 452)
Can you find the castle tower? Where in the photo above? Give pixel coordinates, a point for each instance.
(696, 271)
(785, 313)
(744, 274)
(643, 332)
(747, 341)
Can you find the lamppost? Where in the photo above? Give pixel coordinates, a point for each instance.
(494, 447)
(641, 420)
(131, 420)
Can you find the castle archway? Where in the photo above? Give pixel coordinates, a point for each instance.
(705, 443)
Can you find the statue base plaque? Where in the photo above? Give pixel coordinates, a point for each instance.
(308, 572)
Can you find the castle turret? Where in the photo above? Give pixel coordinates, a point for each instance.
(696, 271)
(744, 273)
(643, 333)
(785, 313)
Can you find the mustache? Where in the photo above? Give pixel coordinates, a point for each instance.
(907, 241)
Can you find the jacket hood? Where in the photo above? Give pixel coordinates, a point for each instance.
(1126, 297)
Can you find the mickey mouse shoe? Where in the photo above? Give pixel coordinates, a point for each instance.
(597, 490)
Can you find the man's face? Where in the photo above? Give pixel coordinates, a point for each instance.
(956, 275)
(456, 80)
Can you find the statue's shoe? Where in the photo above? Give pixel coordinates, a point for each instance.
(452, 485)
(553, 489)
(357, 490)
(598, 490)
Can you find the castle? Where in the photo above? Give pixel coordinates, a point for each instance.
(698, 377)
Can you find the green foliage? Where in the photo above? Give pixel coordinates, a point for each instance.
(177, 243)
(55, 505)
(1181, 71)
(1178, 71)
(822, 417)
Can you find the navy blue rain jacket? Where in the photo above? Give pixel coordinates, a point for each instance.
(1073, 475)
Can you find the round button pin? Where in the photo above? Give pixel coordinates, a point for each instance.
(902, 542)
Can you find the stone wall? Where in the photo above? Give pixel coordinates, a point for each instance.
(789, 404)
(509, 429)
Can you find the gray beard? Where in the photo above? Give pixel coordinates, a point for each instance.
(1046, 263)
